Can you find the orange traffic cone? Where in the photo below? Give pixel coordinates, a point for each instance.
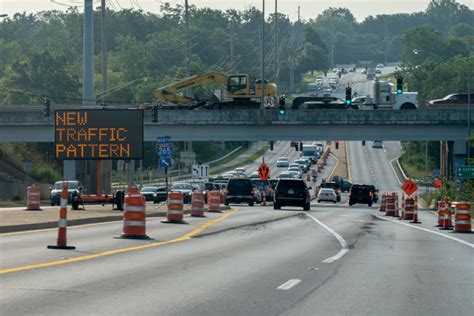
(62, 225)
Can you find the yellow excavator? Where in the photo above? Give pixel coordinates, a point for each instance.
(240, 88)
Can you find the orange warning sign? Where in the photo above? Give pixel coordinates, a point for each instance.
(409, 187)
(263, 172)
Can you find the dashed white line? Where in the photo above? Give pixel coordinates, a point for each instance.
(288, 284)
(344, 247)
(427, 230)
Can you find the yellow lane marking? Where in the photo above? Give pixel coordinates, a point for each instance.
(117, 251)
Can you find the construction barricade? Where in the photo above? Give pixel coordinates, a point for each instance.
(175, 213)
(62, 224)
(214, 199)
(383, 203)
(134, 217)
(33, 198)
(462, 218)
(397, 208)
(415, 212)
(409, 208)
(197, 204)
(390, 205)
(442, 205)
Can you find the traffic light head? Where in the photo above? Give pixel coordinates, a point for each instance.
(348, 96)
(281, 108)
(400, 85)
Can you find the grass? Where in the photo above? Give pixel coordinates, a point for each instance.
(231, 157)
(259, 153)
(11, 203)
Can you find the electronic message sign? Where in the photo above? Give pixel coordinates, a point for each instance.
(98, 134)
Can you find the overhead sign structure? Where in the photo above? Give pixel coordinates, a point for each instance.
(409, 187)
(98, 134)
(200, 171)
(465, 172)
(263, 172)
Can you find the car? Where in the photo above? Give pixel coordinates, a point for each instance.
(284, 175)
(295, 173)
(377, 144)
(240, 190)
(378, 70)
(326, 194)
(304, 163)
(254, 175)
(363, 71)
(149, 193)
(345, 186)
(73, 187)
(161, 194)
(380, 66)
(452, 99)
(240, 172)
(228, 175)
(362, 193)
(282, 162)
(185, 188)
(291, 192)
(333, 185)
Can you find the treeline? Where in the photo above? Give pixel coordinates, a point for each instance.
(42, 53)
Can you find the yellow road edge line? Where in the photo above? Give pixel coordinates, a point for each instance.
(117, 251)
(349, 174)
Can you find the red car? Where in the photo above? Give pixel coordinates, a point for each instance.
(452, 99)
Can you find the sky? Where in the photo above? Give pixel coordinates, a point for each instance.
(308, 8)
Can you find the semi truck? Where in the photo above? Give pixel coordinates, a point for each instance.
(384, 97)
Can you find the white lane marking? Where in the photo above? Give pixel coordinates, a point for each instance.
(288, 284)
(427, 230)
(393, 169)
(344, 247)
(384, 150)
(359, 221)
(345, 215)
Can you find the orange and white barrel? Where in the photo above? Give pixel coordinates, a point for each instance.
(395, 196)
(383, 203)
(62, 224)
(33, 198)
(462, 218)
(409, 208)
(197, 204)
(214, 199)
(441, 209)
(390, 205)
(175, 211)
(134, 218)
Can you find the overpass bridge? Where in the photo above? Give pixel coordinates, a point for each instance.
(30, 125)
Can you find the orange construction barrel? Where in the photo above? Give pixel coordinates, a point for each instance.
(33, 198)
(462, 218)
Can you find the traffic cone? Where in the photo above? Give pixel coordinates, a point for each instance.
(62, 224)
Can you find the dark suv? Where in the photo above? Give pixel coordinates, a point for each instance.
(362, 193)
(239, 190)
(291, 192)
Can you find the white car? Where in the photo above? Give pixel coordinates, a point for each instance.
(284, 175)
(295, 174)
(254, 175)
(377, 144)
(282, 162)
(326, 194)
(240, 172)
(380, 66)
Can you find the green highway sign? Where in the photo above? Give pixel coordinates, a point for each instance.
(465, 172)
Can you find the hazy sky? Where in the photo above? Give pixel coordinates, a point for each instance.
(309, 8)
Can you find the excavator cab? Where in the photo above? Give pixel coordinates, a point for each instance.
(238, 85)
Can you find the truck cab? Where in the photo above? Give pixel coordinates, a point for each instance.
(386, 97)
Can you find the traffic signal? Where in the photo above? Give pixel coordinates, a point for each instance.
(363, 143)
(281, 108)
(400, 85)
(271, 145)
(154, 115)
(46, 107)
(301, 146)
(337, 144)
(348, 96)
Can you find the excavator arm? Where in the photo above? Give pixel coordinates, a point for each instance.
(171, 93)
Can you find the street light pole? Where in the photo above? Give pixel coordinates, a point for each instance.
(262, 85)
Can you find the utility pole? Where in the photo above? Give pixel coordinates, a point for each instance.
(186, 28)
(276, 43)
(232, 57)
(262, 84)
(299, 14)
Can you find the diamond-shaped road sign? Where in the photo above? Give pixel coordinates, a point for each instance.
(409, 187)
(263, 172)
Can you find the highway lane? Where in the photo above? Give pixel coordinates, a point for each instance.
(388, 270)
